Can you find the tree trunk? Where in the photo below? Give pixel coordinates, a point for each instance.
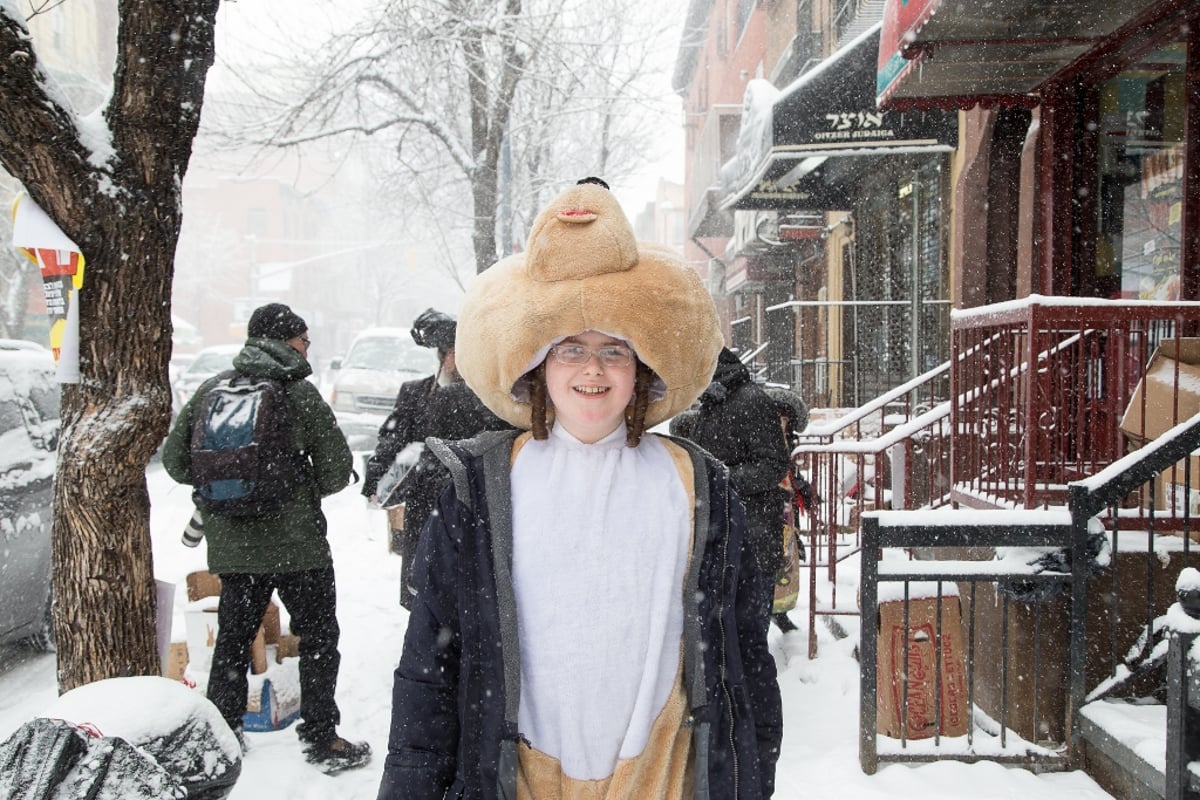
(113, 421)
(119, 201)
(483, 195)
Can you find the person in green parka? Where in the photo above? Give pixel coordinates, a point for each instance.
(285, 551)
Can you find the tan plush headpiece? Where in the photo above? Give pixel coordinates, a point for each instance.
(583, 270)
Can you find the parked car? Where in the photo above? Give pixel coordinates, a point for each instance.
(366, 381)
(29, 427)
(178, 363)
(208, 362)
(22, 344)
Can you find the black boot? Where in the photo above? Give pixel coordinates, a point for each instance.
(337, 755)
(784, 622)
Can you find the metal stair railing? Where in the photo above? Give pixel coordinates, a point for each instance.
(948, 542)
(849, 465)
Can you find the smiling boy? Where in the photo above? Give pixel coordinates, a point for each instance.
(668, 689)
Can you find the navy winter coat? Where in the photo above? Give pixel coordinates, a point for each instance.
(454, 703)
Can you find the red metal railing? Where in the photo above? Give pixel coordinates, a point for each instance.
(1037, 389)
(1041, 386)
(892, 452)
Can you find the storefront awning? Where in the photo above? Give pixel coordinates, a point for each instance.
(824, 117)
(939, 54)
(707, 219)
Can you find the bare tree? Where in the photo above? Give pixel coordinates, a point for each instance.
(483, 101)
(112, 183)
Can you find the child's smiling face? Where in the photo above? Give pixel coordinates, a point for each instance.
(590, 398)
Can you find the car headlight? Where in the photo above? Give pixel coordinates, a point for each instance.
(342, 400)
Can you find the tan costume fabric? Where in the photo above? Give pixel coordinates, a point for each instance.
(664, 770)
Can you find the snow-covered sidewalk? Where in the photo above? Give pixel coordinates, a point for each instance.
(820, 697)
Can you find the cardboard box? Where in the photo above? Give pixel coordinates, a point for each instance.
(270, 624)
(202, 584)
(1169, 393)
(200, 619)
(176, 662)
(164, 617)
(920, 673)
(258, 654)
(288, 646)
(395, 517)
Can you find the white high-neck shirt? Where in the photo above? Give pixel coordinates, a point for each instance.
(601, 535)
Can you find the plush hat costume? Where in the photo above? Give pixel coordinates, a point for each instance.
(584, 270)
(275, 321)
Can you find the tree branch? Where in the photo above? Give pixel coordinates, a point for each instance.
(162, 62)
(39, 143)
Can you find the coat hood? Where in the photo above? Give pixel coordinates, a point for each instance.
(584, 270)
(272, 358)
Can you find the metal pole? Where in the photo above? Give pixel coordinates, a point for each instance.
(868, 649)
(1077, 647)
(915, 351)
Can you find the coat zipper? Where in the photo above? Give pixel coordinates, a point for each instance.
(725, 653)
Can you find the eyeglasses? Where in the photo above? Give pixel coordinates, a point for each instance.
(305, 341)
(610, 355)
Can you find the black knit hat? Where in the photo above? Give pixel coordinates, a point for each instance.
(434, 329)
(275, 321)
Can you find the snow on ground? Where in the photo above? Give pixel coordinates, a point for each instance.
(820, 697)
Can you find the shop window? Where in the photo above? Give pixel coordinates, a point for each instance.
(898, 317)
(744, 9)
(1140, 200)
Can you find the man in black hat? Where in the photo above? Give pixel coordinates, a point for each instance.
(406, 423)
(439, 405)
(281, 544)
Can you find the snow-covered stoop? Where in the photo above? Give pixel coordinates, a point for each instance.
(1124, 747)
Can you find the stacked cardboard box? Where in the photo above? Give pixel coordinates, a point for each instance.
(274, 697)
(1168, 394)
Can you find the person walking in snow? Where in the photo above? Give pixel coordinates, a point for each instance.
(589, 618)
(740, 425)
(406, 423)
(438, 405)
(285, 550)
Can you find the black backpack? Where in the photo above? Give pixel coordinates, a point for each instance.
(243, 463)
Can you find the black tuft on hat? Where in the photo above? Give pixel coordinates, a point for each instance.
(591, 179)
(434, 329)
(275, 321)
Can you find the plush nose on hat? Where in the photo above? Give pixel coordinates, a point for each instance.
(582, 233)
(275, 321)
